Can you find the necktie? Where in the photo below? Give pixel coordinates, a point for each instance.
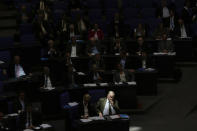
(110, 112)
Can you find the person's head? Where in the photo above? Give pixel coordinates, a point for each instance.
(72, 27)
(50, 43)
(180, 21)
(46, 70)
(94, 67)
(97, 56)
(164, 36)
(21, 95)
(163, 3)
(96, 26)
(172, 13)
(110, 95)
(119, 67)
(86, 98)
(92, 41)
(140, 26)
(140, 40)
(67, 54)
(17, 59)
(73, 40)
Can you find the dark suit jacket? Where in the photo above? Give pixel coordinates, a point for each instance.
(36, 119)
(178, 30)
(91, 77)
(100, 64)
(129, 76)
(17, 105)
(101, 105)
(165, 45)
(186, 16)
(42, 80)
(78, 49)
(91, 109)
(11, 70)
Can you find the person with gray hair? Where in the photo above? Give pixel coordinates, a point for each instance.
(108, 105)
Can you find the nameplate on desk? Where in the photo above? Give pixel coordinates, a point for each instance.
(49, 88)
(72, 104)
(96, 118)
(117, 53)
(81, 73)
(90, 85)
(103, 84)
(28, 130)
(149, 69)
(12, 115)
(131, 83)
(114, 117)
(85, 120)
(118, 83)
(45, 126)
(162, 53)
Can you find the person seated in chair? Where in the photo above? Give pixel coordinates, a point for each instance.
(165, 45)
(122, 75)
(95, 76)
(108, 105)
(47, 81)
(17, 68)
(20, 103)
(29, 119)
(85, 107)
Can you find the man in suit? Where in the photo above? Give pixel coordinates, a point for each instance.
(85, 107)
(141, 47)
(96, 32)
(165, 45)
(20, 103)
(122, 75)
(29, 119)
(74, 48)
(93, 47)
(17, 69)
(187, 13)
(69, 77)
(95, 75)
(107, 106)
(118, 46)
(98, 61)
(46, 79)
(182, 30)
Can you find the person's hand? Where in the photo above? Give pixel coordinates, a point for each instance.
(85, 117)
(111, 102)
(100, 114)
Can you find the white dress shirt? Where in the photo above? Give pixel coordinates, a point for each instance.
(22, 104)
(183, 32)
(19, 71)
(166, 12)
(85, 109)
(47, 82)
(106, 109)
(123, 77)
(73, 51)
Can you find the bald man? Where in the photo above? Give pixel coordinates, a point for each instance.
(107, 106)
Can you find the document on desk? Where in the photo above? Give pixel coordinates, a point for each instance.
(12, 115)
(28, 130)
(114, 117)
(49, 88)
(131, 83)
(103, 84)
(96, 118)
(81, 73)
(44, 126)
(90, 85)
(118, 83)
(73, 104)
(85, 120)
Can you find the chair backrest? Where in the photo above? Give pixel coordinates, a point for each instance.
(64, 99)
(96, 94)
(6, 42)
(5, 56)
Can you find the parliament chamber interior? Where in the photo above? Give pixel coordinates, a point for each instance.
(98, 65)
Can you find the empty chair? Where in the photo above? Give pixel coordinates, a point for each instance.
(148, 13)
(130, 13)
(110, 4)
(26, 29)
(96, 94)
(5, 56)
(28, 39)
(64, 99)
(92, 4)
(6, 42)
(95, 14)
